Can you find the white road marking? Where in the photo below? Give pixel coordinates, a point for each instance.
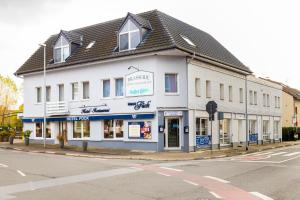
(217, 179)
(215, 195)
(2, 165)
(191, 182)
(292, 154)
(262, 196)
(265, 153)
(279, 153)
(168, 168)
(137, 168)
(163, 174)
(21, 173)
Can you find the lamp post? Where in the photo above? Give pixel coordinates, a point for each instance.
(44, 89)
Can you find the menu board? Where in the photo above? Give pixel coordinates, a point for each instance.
(139, 130)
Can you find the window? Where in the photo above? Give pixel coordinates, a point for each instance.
(252, 126)
(230, 93)
(276, 130)
(129, 36)
(278, 102)
(197, 87)
(106, 88)
(241, 95)
(61, 50)
(251, 97)
(48, 130)
(74, 91)
(90, 45)
(171, 85)
(48, 93)
(255, 97)
(268, 100)
(61, 92)
(81, 129)
(208, 89)
(38, 129)
(119, 87)
(188, 40)
(201, 126)
(264, 100)
(265, 129)
(38, 94)
(221, 91)
(113, 129)
(85, 90)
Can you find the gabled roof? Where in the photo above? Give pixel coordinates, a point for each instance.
(144, 23)
(165, 34)
(73, 37)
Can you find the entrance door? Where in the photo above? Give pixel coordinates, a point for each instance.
(172, 133)
(63, 129)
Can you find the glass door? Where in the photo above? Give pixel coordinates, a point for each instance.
(173, 133)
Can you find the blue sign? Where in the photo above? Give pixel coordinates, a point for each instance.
(253, 137)
(203, 140)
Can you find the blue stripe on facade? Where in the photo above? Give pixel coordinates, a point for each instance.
(91, 118)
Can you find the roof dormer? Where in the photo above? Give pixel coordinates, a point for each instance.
(132, 32)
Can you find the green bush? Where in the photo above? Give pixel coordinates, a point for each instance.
(27, 133)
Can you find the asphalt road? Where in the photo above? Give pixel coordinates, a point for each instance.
(266, 175)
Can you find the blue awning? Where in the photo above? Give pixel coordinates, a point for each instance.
(90, 118)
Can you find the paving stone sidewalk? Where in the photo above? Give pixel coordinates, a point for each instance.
(106, 153)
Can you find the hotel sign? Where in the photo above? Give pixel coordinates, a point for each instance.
(139, 83)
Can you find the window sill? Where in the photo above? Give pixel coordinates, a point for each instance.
(119, 97)
(171, 94)
(113, 139)
(85, 99)
(38, 103)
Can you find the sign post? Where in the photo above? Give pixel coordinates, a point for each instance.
(211, 108)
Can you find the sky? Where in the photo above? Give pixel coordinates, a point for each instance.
(264, 35)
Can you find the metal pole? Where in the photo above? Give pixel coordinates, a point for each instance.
(246, 107)
(44, 126)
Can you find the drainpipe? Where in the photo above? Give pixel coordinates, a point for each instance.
(246, 110)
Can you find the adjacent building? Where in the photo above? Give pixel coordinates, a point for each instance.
(143, 82)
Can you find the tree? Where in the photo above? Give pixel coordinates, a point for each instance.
(8, 96)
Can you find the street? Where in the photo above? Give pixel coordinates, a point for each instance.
(266, 175)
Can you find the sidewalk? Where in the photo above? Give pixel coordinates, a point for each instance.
(106, 153)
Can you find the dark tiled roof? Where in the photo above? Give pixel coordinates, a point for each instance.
(164, 34)
(72, 36)
(141, 21)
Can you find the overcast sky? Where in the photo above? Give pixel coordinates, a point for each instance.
(264, 35)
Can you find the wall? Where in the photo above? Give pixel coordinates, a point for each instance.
(288, 110)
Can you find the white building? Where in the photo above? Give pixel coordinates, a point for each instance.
(143, 82)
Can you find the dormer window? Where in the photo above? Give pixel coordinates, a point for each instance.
(129, 36)
(61, 50)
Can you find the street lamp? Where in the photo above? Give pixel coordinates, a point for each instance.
(44, 89)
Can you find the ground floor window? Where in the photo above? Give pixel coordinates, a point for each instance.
(252, 126)
(39, 130)
(224, 128)
(266, 130)
(81, 129)
(113, 129)
(201, 126)
(276, 130)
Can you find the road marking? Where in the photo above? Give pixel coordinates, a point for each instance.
(21, 173)
(163, 174)
(191, 182)
(279, 153)
(265, 153)
(137, 168)
(215, 195)
(2, 165)
(168, 168)
(262, 196)
(292, 154)
(217, 179)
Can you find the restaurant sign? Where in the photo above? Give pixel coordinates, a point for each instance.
(139, 83)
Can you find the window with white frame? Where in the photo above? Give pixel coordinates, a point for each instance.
(48, 130)
(251, 97)
(74, 91)
(38, 129)
(129, 36)
(81, 129)
(106, 88)
(230, 93)
(275, 101)
(268, 100)
(221, 91)
(276, 130)
(85, 90)
(255, 97)
(264, 100)
(113, 129)
(119, 90)
(241, 95)
(171, 83)
(278, 102)
(48, 93)
(61, 50)
(61, 92)
(266, 133)
(197, 87)
(252, 126)
(208, 89)
(38, 94)
(201, 126)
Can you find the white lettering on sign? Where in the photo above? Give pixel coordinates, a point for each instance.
(139, 83)
(172, 113)
(81, 118)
